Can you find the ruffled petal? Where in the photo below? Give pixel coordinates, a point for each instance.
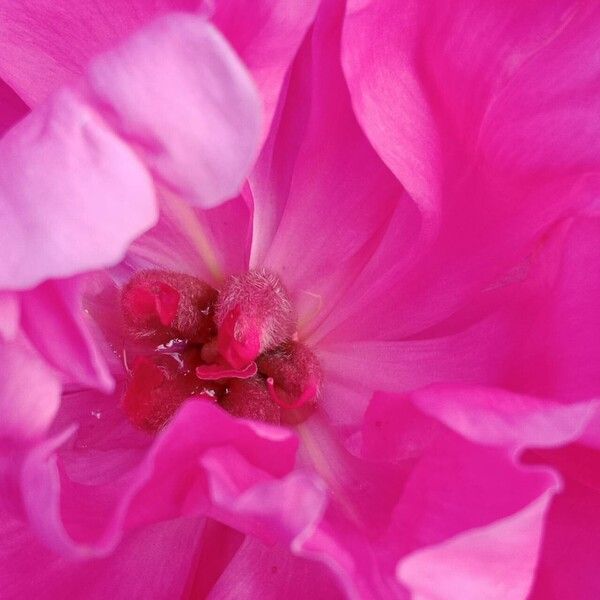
(73, 195)
(496, 416)
(204, 462)
(572, 527)
(474, 112)
(442, 481)
(182, 98)
(45, 47)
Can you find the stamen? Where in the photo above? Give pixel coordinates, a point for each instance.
(254, 314)
(162, 305)
(249, 399)
(237, 347)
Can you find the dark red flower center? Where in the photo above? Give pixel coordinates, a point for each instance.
(232, 346)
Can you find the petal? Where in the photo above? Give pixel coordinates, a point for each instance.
(559, 351)
(10, 310)
(139, 567)
(417, 489)
(478, 353)
(314, 219)
(496, 562)
(270, 573)
(496, 416)
(12, 108)
(54, 320)
(181, 69)
(475, 136)
(572, 527)
(64, 157)
(45, 45)
(29, 391)
(266, 34)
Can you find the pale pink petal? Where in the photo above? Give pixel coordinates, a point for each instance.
(12, 108)
(467, 111)
(53, 318)
(10, 310)
(29, 391)
(315, 220)
(138, 568)
(64, 157)
(45, 44)
(496, 562)
(181, 96)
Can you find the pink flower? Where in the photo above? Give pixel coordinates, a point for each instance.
(409, 265)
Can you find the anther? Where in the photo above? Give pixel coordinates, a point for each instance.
(162, 305)
(254, 314)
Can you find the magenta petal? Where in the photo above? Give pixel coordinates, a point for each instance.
(272, 573)
(137, 568)
(54, 320)
(181, 96)
(496, 562)
(572, 527)
(560, 347)
(29, 391)
(266, 34)
(63, 156)
(315, 221)
(12, 108)
(488, 118)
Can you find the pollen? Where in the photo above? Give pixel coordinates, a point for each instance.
(234, 346)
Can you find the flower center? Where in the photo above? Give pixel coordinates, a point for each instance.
(234, 346)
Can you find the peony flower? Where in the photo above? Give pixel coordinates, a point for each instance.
(360, 364)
